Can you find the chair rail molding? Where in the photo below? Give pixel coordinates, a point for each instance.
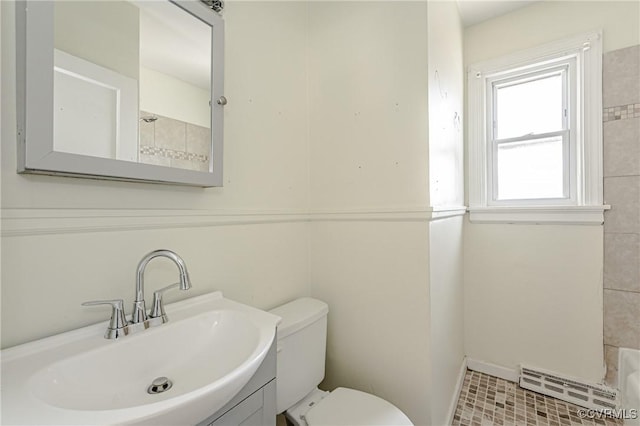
(44, 221)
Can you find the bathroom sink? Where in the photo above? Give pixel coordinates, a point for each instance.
(209, 350)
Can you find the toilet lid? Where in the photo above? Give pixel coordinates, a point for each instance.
(349, 407)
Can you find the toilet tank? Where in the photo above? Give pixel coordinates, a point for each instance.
(302, 338)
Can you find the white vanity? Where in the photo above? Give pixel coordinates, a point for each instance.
(255, 404)
(218, 354)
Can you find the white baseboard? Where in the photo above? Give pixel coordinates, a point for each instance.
(456, 393)
(493, 370)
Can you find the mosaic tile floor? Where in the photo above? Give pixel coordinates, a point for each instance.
(486, 400)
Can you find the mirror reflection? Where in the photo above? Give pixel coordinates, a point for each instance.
(132, 81)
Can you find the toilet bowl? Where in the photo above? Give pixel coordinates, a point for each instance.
(301, 351)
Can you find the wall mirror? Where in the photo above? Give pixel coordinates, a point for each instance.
(121, 89)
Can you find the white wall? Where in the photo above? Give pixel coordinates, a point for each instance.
(369, 170)
(368, 106)
(372, 89)
(374, 276)
(265, 164)
(68, 240)
(47, 277)
(446, 297)
(166, 95)
(329, 119)
(446, 86)
(533, 293)
(446, 178)
(547, 21)
(446, 83)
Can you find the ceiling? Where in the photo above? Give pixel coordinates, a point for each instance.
(476, 11)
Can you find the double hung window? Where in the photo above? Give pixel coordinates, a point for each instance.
(530, 131)
(535, 134)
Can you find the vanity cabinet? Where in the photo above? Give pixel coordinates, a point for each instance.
(255, 404)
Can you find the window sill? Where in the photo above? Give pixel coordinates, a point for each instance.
(549, 215)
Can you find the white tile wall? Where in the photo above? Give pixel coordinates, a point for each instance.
(621, 101)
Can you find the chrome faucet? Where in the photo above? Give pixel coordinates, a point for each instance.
(118, 326)
(139, 314)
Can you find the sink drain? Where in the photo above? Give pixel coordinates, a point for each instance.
(159, 385)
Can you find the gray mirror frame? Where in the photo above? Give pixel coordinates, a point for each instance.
(34, 59)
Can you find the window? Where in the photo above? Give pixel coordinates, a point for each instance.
(535, 135)
(530, 129)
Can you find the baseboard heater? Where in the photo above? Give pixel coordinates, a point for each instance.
(588, 395)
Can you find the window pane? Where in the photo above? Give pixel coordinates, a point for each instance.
(532, 107)
(530, 169)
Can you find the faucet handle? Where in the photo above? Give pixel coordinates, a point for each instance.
(118, 323)
(158, 305)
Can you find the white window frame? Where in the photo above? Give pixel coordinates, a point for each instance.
(566, 68)
(582, 201)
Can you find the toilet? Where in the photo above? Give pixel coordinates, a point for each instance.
(301, 347)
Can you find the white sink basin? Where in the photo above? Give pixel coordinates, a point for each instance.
(209, 349)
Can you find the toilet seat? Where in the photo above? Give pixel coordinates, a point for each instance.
(349, 407)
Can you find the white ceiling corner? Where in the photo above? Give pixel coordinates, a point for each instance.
(475, 11)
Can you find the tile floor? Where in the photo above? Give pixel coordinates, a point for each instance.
(486, 400)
